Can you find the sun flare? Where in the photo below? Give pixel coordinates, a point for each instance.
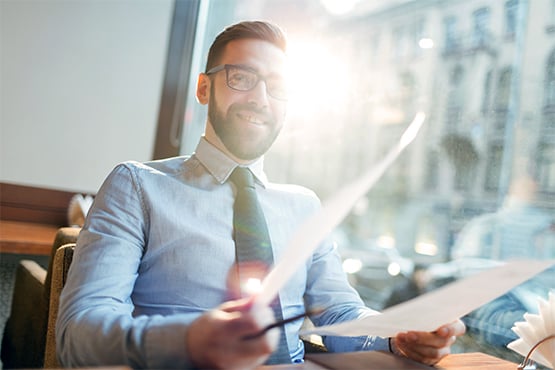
(319, 77)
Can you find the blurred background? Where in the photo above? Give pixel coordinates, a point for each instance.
(89, 83)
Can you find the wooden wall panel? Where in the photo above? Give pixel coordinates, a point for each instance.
(34, 204)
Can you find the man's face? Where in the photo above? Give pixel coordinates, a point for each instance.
(246, 123)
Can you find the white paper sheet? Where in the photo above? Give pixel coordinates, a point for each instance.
(443, 305)
(316, 228)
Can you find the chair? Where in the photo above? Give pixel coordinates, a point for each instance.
(60, 267)
(24, 338)
(29, 337)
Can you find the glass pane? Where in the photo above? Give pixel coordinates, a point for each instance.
(478, 183)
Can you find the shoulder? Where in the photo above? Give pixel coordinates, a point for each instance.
(295, 197)
(134, 173)
(293, 190)
(165, 166)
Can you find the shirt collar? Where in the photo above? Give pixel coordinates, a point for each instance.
(221, 166)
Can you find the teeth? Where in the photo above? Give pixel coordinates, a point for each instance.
(252, 119)
(255, 120)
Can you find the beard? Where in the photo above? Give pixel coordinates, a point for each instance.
(243, 142)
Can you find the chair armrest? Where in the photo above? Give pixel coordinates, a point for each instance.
(65, 235)
(60, 266)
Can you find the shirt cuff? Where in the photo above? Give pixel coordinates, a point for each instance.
(376, 344)
(165, 346)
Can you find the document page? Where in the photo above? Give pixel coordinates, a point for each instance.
(443, 305)
(334, 210)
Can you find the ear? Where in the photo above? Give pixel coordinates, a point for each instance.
(203, 88)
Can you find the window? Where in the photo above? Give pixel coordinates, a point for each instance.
(450, 34)
(546, 167)
(551, 21)
(511, 12)
(549, 94)
(358, 86)
(481, 20)
(502, 99)
(549, 97)
(503, 89)
(486, 93)
(493, 168)
(432, 170)
(455, 100)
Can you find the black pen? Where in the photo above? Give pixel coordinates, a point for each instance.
(283, 322)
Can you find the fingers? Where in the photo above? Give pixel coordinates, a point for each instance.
(417, 347)
(215, 339)
(428, 347)
(239, 305)
(456, 328)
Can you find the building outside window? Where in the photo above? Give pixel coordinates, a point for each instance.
(455, 100)
(546, 168)
(549, 93)
(511, 11)
(493, 168)
(356, 87)
(481, 31)
(486, 93)
(451, 35)
(502, 98)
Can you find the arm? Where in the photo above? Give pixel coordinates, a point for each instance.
(328, 288)
(98, 324)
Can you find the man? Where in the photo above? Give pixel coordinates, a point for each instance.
(156, 254)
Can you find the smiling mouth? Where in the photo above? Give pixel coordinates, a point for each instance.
(251, 119)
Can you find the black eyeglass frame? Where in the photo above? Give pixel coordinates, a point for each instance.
(259, 78)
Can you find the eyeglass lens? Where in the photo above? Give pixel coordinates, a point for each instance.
(243, 79)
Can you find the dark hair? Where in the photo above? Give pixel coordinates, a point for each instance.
(260, 30)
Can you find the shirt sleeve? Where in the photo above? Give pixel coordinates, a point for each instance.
(96, 325)
(328, 288)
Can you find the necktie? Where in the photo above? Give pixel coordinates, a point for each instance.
(252, 243)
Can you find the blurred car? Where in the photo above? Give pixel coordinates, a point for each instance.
(379, 273)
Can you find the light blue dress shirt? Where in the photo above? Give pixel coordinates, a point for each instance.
(155, 252)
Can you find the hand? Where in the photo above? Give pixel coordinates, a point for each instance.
(214, 340)
(428, 348)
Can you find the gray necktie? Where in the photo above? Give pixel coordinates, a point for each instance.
(252, 243)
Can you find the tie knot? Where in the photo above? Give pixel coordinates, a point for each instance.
(242, 177)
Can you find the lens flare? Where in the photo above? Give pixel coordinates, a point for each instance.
(253, 286)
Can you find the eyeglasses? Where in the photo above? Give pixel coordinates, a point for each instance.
(241, 78)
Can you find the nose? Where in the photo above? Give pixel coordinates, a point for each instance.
(258, 95)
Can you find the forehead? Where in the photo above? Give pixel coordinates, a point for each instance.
(260, 55)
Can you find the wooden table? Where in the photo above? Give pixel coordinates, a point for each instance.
(476, 360)
(26, 238)
(460, 361)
